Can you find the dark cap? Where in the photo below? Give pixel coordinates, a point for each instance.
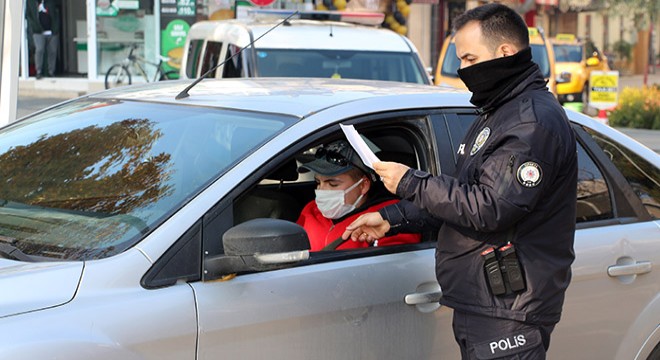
(333, 159)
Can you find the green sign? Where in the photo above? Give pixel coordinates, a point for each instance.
(173, 38)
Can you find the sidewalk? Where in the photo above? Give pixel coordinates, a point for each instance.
(57, 87)
(638, 80)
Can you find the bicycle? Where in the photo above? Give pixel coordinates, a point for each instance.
(120, 75)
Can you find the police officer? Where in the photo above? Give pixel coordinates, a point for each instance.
(507, 220)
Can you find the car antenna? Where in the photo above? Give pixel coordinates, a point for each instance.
(184, 94)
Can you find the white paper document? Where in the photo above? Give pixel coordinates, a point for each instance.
(361, 148)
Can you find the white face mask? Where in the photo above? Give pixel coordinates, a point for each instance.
(331, 202)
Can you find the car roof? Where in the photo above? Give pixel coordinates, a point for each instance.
(300, 34)
(297, 97)
(303, 97)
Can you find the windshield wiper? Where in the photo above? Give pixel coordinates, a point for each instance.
(9, 251)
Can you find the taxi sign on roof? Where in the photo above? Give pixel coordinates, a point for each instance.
(357, 17)
(565, 37)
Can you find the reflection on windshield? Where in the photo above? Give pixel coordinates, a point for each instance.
(68, 169)
(88, 179)
(368, 65)
(568, 53)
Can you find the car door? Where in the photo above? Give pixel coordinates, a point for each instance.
(609, 310)
(373, 303)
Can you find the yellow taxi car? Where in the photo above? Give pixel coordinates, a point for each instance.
(574, 62)
(446, 73)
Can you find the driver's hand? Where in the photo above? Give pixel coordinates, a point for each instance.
(368, 227)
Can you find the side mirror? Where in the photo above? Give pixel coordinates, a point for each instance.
(259, 245)
(429, 72)
(593, 61)
(564, 77)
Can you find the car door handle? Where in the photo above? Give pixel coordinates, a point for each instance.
(428, 297)
(641, 267)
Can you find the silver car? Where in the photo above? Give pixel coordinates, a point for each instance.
(137, 226)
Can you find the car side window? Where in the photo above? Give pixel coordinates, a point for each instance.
(211, 57)
(450, 129)
(233, 67)
(593, 195)
(192, 63)
(643, 177)
(283, 192)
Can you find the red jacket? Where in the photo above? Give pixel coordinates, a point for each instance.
(322, 231)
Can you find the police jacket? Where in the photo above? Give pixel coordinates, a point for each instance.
(516, 183)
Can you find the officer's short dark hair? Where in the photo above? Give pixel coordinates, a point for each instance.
(499, 24)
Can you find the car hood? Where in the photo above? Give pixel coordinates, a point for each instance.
(35, 286)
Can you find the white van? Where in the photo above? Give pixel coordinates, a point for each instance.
(300, 48)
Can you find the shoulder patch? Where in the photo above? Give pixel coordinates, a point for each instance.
(529, 174)
(480, 140)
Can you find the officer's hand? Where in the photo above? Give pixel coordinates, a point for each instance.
(390, 174)
(368, 227)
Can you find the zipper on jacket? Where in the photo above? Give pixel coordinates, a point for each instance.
(507, 175)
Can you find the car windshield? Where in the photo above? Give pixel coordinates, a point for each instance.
(368, 65)
(540, 57)
(90, 178)
(567, 53)
(451, 63)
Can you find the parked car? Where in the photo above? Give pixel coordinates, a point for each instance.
(318, 44)
(574, 61)
(446, 73)
(137, 226)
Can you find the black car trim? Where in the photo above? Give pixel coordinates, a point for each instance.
(625, 202)
(181, 262)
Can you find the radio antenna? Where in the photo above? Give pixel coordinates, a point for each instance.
(184, 94)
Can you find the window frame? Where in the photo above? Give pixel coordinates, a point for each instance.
(220, 217)
(627, 207)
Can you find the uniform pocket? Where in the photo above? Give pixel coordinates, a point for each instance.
(497, 172)
(506, 174)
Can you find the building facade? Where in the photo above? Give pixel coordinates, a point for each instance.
(100, 33)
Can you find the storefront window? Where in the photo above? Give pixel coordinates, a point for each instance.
(121, 25)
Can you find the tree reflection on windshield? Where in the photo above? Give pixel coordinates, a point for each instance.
(100, 169)
(90, 178)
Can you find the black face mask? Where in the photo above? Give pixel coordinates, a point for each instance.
(489, 78)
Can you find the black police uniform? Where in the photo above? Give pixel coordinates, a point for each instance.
(516, 184)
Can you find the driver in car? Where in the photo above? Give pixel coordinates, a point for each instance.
(345, 189)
